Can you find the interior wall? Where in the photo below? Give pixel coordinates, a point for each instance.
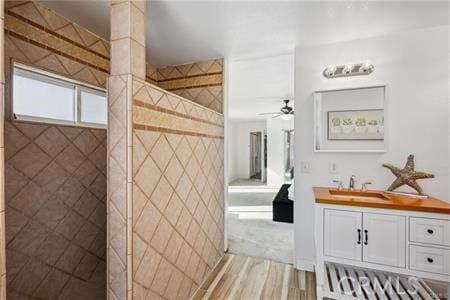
(178, 193)
(2, 160)
(275, 150)
(201, 82)
(412, 65)
(239, 147)
(55, 176)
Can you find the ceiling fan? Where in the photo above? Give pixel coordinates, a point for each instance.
(286, 112)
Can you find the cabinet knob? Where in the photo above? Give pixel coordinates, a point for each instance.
(430, 260)
(430, 231)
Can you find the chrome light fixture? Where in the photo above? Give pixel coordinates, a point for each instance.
(348, 70)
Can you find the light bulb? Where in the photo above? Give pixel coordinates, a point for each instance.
(330, 71)
(347, 69)
(365, 68)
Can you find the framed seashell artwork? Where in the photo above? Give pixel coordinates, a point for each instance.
(362, 125)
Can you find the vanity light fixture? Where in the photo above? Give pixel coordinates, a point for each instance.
(348, 70)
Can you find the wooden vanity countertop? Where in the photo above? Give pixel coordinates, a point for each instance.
(399, 202)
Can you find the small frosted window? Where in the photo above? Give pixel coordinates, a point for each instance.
(93, 108)
(41, 97)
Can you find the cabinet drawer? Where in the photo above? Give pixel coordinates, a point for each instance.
(430, 231)
(427, 259)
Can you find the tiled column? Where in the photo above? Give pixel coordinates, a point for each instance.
(2, 159)
(127, 60)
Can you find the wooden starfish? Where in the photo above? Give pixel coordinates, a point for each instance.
(407, 176)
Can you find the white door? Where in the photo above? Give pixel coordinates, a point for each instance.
(384, 239)
(342, 234)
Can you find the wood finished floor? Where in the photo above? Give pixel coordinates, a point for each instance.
(248, 278)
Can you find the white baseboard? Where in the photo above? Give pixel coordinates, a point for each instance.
(304, 265)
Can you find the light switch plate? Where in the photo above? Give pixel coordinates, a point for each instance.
(333, 168)
(305, 167)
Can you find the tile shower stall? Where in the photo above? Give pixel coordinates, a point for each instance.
(167, 238)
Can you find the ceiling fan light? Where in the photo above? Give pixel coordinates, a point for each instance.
(286, 117)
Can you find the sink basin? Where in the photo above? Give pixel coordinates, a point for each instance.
(358, 195)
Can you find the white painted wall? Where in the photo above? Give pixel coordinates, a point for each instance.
(239, 147)
(413, 65)
(275, 150)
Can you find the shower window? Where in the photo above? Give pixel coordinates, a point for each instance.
(44, 97)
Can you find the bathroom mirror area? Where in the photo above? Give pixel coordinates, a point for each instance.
(350, 120)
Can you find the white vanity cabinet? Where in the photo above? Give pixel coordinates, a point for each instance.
(342, 234)
(405, 242)
(384, 239)
(367, 237)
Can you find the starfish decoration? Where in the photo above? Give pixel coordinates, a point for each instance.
(407, 176)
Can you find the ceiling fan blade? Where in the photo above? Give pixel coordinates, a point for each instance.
(271, 113)
(279, 115)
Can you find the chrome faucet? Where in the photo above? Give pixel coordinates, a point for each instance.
(351, 184)
(364, 186)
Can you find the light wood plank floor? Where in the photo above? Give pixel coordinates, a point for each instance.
(249, 278)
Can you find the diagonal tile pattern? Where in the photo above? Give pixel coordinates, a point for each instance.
(55, 212)
(55, 176)
(200, 82)
(117, 190)
(177, 203)
(20, 48)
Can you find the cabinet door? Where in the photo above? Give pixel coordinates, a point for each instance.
(384, 239)
(342, 234)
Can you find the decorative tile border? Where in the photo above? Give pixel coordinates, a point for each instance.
(195, 81)
(154, 96)
(175, 113)
(44, 39)
(174, 131)
(17, 16)
(166, 121)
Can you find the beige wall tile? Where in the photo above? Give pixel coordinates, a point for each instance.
(137, 26)
(120, 57)
(137, 59)
(120, 20)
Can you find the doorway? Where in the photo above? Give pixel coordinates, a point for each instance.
(255, 155)
(256, 158)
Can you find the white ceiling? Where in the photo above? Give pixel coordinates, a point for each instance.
(185, 31)
(259, 86)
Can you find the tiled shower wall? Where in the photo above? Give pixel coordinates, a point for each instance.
(55, 175)
(40, 177)
(86, 56)
(2, 160)
(201, 82)
(177, 201)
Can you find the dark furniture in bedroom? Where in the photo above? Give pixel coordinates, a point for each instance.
(283, 208)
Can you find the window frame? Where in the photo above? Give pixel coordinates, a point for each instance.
(56, 79)
(79, 89)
